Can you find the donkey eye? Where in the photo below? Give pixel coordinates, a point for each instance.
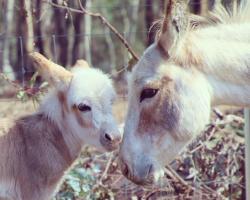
(83, 107)
(148, 93)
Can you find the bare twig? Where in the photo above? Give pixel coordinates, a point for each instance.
(3, 76)
(102, 19)
(179, 179)
(175, 176)
(105, 173)
(29, 90)
(218, 113)
(210, 132)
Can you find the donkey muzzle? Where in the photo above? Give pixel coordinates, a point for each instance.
(140, 173)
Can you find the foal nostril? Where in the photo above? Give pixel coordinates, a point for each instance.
(108, 137)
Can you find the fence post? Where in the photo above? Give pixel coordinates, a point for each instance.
(54, 48)
(22, 60)
(247, 152)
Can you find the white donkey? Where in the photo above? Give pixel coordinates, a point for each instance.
(177, 80)
(38, 149)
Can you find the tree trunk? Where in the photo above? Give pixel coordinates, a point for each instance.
(162, 5)
(26, 39)
(46, 17)
(149, 20)
(204, 7)
(133, 18)
(111, 47)
(60, 38)
(247, 151)
(77, 52)
(195, 6)
(37, 27)
(7, 68)
(2, 32)
(126, 29)
(87, 39)
(29, 36)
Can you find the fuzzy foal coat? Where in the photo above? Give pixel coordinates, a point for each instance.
(34, 155)
(38, 149)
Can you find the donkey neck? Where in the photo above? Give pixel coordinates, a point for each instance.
(229, 93)
(226, 65)
(227, 68)
(224, 61)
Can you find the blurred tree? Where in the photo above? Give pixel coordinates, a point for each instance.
(88, 31)
(60, 34)
(204, 7)
(132, 14)
(60, 29)
(25, 42)
(29, 32)
(149, 20)
(111, 47)
(195, 6)
(38, 26)
(77, 50)
(6, 67)
(162, 4)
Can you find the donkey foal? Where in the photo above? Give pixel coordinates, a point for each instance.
(38, 149)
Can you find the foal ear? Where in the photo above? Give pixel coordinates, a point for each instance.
(174, 24)
(81, 63)
(51, 72)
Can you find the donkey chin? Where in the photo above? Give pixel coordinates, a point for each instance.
(146, 174)
(144, 163)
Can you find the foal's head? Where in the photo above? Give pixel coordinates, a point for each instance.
(168, 106)
(81, 102)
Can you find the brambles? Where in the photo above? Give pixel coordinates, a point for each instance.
(30, 90)
(211, 168)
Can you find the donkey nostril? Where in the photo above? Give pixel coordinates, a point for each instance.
(150, 169)
(108, 137)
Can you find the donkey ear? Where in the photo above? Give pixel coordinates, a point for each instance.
(51, 72)
(81, 63)
(174, 24)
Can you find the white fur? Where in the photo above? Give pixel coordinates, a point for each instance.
(90, 86)
(219, 74)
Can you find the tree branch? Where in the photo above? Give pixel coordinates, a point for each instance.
(4, 77)
(103, 20)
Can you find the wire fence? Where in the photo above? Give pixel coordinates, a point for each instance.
(143, 5)
(55, 46)
(22, 68)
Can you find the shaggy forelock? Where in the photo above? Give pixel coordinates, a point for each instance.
(90, 82)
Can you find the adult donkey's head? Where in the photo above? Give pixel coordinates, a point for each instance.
(168, 103)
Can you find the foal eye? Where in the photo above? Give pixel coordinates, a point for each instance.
(148, 93)
(83, 107)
